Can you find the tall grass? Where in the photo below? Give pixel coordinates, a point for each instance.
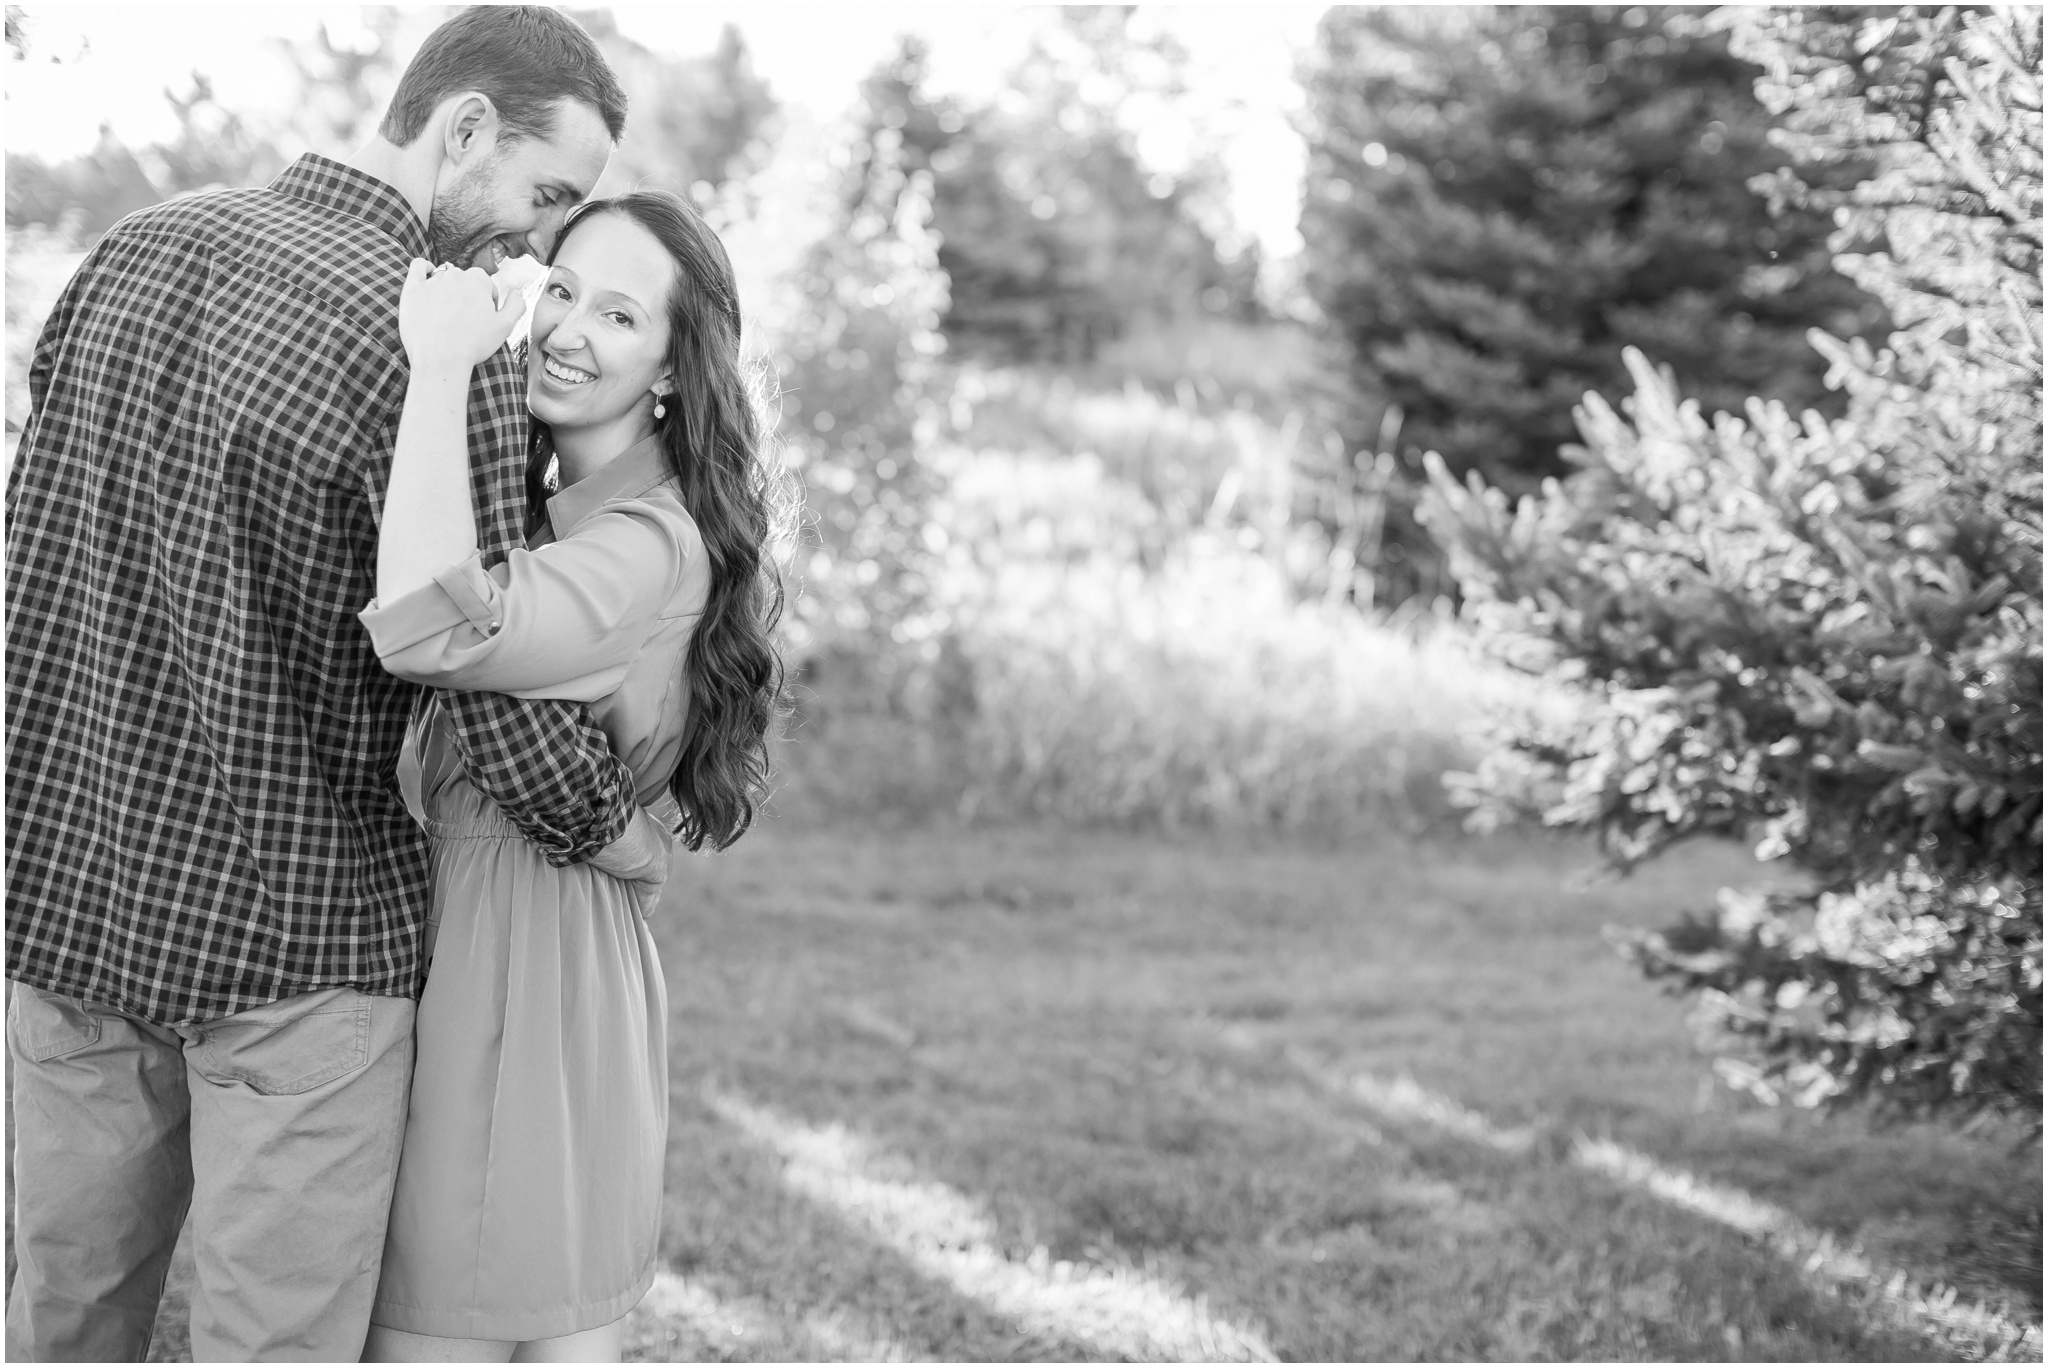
(1125, 641)
(1200, 691)
(1194, 461)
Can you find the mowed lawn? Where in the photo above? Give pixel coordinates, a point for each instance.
(999, 1094)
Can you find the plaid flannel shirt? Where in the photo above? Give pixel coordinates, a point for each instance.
(202, 810)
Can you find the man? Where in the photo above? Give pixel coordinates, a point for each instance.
(215, 895)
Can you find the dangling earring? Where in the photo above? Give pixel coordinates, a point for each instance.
(659, 411)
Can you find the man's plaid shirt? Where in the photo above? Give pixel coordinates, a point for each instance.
(202, 814)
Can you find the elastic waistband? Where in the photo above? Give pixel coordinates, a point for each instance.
(462, 814)
(459, 813)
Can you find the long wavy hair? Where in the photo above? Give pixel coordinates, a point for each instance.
(743, 503)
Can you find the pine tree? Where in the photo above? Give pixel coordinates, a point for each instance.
(697, 122)
(1825, 636)
(858, 341)
(1054, 236)
(1501, 200)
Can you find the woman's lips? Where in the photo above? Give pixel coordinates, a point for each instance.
(567, 376)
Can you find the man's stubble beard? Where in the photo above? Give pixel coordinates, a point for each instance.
(458, 223)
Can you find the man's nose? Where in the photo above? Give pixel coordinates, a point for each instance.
(547, 230)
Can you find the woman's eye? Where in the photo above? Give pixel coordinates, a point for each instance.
(558, 291)
(620, 317)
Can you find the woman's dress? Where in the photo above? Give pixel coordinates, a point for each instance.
(528, 1201)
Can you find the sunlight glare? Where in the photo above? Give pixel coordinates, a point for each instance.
(1890, 1295)
(1938, 1313)
(946, 1235)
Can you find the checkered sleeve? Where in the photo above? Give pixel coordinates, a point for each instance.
(549, 766)
(546, 764)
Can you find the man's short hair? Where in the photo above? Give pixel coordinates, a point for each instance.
(527, 58)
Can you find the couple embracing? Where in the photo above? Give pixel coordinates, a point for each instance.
(363, 672)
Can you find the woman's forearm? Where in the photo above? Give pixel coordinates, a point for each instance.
(429, 522)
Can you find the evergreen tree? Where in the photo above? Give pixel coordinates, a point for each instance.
(696, 123)
(1054, 236)
(1826, 636)
(1500, 200)
(893, 96)
(857, 341)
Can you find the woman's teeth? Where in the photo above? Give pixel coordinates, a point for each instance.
(564, 373)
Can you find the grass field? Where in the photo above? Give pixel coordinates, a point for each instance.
(1025, 1094)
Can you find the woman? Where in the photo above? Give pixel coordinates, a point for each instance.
(528, 1203)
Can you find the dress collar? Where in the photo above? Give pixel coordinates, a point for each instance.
(343, 189)
(633, 471)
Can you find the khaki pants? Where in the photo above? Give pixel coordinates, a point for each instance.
(278, 1127)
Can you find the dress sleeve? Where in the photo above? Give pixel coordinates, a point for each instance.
(563, 621)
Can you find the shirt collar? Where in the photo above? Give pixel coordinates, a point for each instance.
(343, 189)
(633, 471)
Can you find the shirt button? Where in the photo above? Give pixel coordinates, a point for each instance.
(494, 624)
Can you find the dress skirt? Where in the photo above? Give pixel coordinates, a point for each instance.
(528, 1201)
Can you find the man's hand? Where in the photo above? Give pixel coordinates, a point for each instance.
(641, 854)
(452, 320)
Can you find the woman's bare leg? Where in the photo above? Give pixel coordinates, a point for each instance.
(606, 1344)
(402, 1346)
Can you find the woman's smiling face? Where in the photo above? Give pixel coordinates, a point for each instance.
(600, 328)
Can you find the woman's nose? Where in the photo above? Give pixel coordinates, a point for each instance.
(567, 335)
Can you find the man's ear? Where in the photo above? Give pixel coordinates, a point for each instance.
(472, 127)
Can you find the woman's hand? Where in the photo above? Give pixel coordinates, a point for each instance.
(451, 321)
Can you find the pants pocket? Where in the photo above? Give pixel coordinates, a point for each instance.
(45, 1025)
(290, 1046)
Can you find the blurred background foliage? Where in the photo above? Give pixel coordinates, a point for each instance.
(1111, 519)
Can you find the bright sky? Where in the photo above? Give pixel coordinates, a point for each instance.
(116, 61)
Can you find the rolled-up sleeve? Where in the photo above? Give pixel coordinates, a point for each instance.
(563, 621)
